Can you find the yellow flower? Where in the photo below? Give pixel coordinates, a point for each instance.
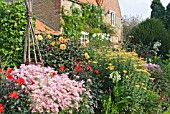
(122, 61)
(135, 65)
(145, 88)
(61, 39)
(62, 46)
(86, 55)
(107, 55)
(127, 76)
(125, 71)
(152, 79)
(143, 71)
(111, 67)
(99, 52)
(52, 43)
(94, 62)
(39, 37)
(49, 36)
(137, 86)
(110, 64)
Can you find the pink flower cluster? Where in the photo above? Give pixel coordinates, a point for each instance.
(153, 67)
(50, 91)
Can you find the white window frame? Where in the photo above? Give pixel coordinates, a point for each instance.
(82, 38)
(112, 17)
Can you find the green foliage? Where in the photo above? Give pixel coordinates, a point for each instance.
(167, 111)
(162, 78)
(167, 17)
(55, 57)
(125, 81)
(72, 22)
(151, 30)
(158, 10)
(89, 19)
(12, 30)
(93, 15)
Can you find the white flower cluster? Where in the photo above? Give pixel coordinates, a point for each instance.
(156, 45)
(102, 36)
(115, 76)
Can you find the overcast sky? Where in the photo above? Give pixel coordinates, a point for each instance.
(138, 7)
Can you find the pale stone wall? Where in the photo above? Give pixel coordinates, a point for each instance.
(67, 4)
(117, 26)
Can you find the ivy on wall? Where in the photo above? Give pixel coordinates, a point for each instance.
(89, 19)
(12, 31)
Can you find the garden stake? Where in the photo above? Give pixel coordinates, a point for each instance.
(30, 33)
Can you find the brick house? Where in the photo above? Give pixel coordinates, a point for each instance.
(48, 14)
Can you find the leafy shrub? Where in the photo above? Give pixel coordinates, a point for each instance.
(64, 54)
(161, 83)
(151, 30)
(12, 30)
(167, 111)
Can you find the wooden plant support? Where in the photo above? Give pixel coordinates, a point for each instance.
(31, 34)
(99, 2)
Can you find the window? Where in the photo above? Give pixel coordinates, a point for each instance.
(112, 13)
(84, 38)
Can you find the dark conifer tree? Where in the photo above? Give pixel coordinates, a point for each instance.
(158, 10)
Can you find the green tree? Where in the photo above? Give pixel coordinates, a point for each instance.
(158, 10)
(167, 17)
(149, 31)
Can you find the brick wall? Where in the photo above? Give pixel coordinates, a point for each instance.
(48, 11)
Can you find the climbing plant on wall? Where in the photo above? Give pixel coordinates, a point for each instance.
(72, 22)
(88, 18)
(12, 31)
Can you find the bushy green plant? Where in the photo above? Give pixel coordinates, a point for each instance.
(151, 30)
(161, 83)
(12, 30)
(125, 81)
(158, 10)
(72, 22)
(63, 54)
(167, 111)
